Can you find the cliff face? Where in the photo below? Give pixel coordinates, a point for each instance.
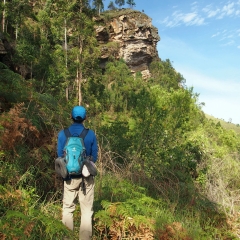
(129, 35)
(124, 33)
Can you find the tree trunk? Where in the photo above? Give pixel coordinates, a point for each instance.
(16, 33)
(65, 40)
(79, 89)
(3, 16)
(80, 62)
(65, 48)
(80, 71)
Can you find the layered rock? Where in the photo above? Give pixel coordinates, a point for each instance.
(129, 35)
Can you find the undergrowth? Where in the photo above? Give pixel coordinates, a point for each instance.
(123, 210)
(129, 204)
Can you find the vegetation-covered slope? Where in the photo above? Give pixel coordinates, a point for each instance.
(165, 170)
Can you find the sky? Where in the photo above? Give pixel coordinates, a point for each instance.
(202, 41)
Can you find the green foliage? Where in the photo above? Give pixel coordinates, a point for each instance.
(165, 75)
(226, 125)
(120, 2)
(127, 210)
(131, 3)
(111, 6)
(31, 224)
(164, 167)
(13, 88)
(119, 86)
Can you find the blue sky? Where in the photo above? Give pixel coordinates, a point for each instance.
(202, 40)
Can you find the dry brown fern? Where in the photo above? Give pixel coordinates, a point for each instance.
(16, 128)
(173, 231)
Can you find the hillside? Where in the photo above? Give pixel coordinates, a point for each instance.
(226, 125)
(165, 171)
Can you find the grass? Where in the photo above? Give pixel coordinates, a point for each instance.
(119, 12)
(224, 124)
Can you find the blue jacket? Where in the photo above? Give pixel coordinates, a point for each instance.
(90, 141)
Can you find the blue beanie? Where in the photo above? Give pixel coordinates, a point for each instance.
(78, 111)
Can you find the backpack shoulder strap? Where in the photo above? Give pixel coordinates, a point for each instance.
(67, 133)
(84, 133)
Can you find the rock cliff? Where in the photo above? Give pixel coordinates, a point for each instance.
(129, 35)
(125, 33)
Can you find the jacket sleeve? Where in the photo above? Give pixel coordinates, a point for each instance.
(94, 149)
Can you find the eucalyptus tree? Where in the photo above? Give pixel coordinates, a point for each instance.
(111, 5)
(131, 3)
(3, 14)
(83, 32)
(120, 3)
(119, 85)
(165, 75)
(14, 14)
(73, 28)
(98, 4)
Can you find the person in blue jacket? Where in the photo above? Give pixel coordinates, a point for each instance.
(72, 185)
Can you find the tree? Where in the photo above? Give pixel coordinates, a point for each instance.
(165, 75)
(120, 2)
(131, 3)
(111, 6)
(3, 16)
(98, 4)
(14, 14)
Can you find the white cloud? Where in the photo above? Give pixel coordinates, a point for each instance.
(215, 35)
(197, 17)
(170, 22)
(194, 6)
(220, 12)
(229, 43)
(227, 37)
(210, 13)
(179, 18)
(189, 17)
(227, 10)
(213, 13)
(198, 21)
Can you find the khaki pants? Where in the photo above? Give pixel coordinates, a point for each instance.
(72, 190)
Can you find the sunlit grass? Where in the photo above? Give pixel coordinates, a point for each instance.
(224, 124)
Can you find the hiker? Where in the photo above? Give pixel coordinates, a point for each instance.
(73, 184)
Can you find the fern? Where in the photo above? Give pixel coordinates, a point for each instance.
(120, 218)
(17, 128)
(35, 226)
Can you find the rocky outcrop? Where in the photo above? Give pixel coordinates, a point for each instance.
(129, 35)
